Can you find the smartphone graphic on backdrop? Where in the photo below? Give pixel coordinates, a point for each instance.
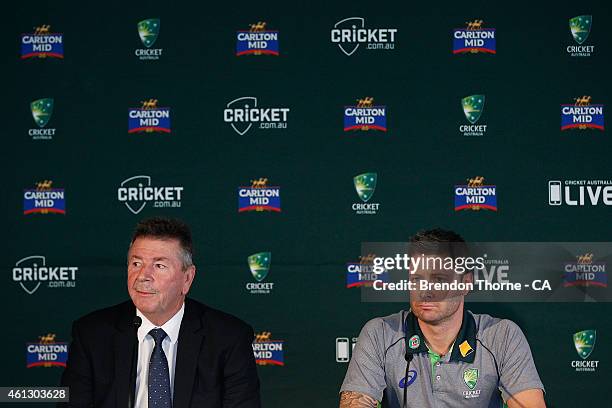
(342, 349)
(554, 193)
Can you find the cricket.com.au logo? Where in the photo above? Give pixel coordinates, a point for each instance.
(42, 43)
(148, 31)
(475, 195)
(474, 39)
(580, 193)
(582, 115)
(584, 342)
(473, 106)
(580, 28)
(42, 110)
(365, 185)
(44, 199)
(350, 33)
(149, 118)
(585, 272)
(32, 271)
(242, 113)
(268, 351)
(136, 192)
(259, 265)
(259, 197)
(365, 116)
(257, 40)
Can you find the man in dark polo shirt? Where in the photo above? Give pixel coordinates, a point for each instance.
(438, 354)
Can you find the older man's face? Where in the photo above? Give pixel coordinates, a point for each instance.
(156, 280)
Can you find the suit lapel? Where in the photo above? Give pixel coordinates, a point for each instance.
(188, 351)
(123, 345)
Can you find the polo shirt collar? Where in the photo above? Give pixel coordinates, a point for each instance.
(466, 339)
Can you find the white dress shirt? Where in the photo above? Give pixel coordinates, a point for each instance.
(145, 348)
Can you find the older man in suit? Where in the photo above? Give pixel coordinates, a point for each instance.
(161, 349)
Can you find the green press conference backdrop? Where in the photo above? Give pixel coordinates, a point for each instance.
(82, 144)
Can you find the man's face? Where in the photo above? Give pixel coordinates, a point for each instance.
(436, 306)
(156, 280)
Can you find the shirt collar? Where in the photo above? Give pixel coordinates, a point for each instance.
(171, 327)
(466, 339)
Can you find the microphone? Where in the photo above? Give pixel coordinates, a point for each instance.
(136, 322)
(408, 356)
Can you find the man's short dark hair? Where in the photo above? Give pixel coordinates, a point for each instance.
(438, 240)
(167, 229)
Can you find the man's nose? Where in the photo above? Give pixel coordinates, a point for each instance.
(146, 273)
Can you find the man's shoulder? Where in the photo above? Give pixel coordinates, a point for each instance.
(495, 329)
(386, 327)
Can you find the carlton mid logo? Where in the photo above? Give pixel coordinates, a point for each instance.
(46, 352)
(350, 33)
(580, 193)
(42, 43)
(474, 39)
(148, 30)
(361, 273)
(473, 106)
(584, 272)
(32, 271)
(44, 199)
(42, 109)
(580, 27)
(259, 197)
(149, 118)
(243, 113)
(135, 192)
(267, 351)
(365, 116)
(582, 115)
(475, 195)
(257, 41)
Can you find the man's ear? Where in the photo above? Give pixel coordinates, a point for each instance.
(189, 276)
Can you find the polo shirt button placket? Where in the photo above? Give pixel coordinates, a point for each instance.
(438, 377)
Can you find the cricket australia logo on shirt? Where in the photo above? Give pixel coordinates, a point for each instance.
(475, 195)
(259, 264)
(365, 116)
(242, 113)
(584, 342)
(257, 41)
(42, 43)
(365, 184)
(580, 27)
(42, 109)
(582, 115)
(473, 106)
(148, 30)
(474, 39)
(350, 33)
(470, 378)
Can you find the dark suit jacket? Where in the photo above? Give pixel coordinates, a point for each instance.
(215, 366)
